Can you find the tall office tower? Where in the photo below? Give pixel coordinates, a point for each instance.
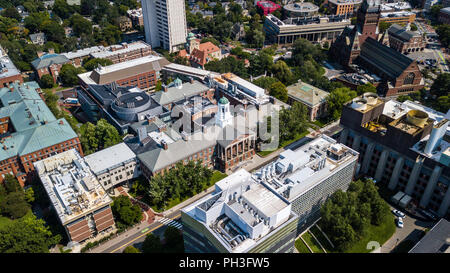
(165, 23)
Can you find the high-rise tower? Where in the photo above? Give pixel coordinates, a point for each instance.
(165, 23)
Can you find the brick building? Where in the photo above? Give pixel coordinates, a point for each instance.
(404, 40)
(398, 17)
(8, 71)
(310, 96)
(143, 73)
(136, 16)
(49, 64)
(115, 53)
(343, 7)
(29, 131)
(358, 45)
(199, 53)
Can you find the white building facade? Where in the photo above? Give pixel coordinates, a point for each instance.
(165, 23)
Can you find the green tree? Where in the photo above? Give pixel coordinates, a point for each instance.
(282, 72)
(383, 26)
(46, 81)
(80, 25)
(68, 74)
(15, 205)
(279, 91)
(93, 63)
(34, 21)
(27, 235)
(265, 82)
(53, 31)
(88, 138)
(293, 122)
(131, 249)
(368, 87)
(12, 13)
(441, 85)
(337, 99)
(435, 9)
(125, 213)
(443, 32)
(152, 244)
(29, 195)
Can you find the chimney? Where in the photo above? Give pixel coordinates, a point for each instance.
(51, 51)
(164, 144)
(40, 53)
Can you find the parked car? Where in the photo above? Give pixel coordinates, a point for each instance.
(398, 213)
(399, 222)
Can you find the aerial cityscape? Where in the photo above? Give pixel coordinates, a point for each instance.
(182, 126)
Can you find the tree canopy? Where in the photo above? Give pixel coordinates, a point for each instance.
(346, 216)
(100, 136)
(125, 213)
(337, 98)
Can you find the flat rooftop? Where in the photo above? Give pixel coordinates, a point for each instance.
(7, 67)
(128, 64)
(345, 2)
(296, 172)
(120, 49)
(241, 212)
(109, 158)
(307, 93)
(71, 186)
(437, 239)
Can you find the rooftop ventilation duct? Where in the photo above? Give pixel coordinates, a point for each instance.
(359, 104)
(417, 117)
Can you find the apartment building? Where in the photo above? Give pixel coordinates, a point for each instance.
(8, 71)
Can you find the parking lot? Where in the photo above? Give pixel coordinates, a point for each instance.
(413, 228)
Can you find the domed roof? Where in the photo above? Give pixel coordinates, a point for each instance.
(223, 100)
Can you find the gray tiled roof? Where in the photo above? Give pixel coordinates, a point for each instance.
(174, 94)
(49, 59)
(437, 240)
(401, 32)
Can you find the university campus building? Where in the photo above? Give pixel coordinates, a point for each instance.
(29, 131)
(404, 146)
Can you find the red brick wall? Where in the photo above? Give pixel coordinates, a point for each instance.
(7, 80)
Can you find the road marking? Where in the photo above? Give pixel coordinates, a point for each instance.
(170, 222)
(144, 230)
(178, 215)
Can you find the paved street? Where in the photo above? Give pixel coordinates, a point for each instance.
(412, 230)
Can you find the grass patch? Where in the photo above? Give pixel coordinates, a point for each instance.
(312, 243)
(301, 247)
(284, 143)
(380, 234)
(217, 176)
(319, 235)
(5, 221)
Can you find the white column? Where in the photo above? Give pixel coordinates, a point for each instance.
(367, 157)
(356, 141)
(445, 203)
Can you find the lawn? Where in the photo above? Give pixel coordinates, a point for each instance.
(301, 247)
(284, 144)
(380, 234)
(4, 221)
(319, 235)
(312, 243)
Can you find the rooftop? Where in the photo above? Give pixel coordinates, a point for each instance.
(307, 93)
(241, 213)
(436, 240)
(34, 126)
(301, 7)
(71, 186)
(120, 49)
(48, 59)
(179, 91)
(296, 172)
(7, 67)
(345, 2)
(109, 158)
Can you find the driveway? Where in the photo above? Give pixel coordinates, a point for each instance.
(412, 230)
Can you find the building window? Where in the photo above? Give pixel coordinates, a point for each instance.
(409, 78)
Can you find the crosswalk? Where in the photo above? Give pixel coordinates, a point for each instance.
(170, 222)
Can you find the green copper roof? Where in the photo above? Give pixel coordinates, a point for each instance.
(35, 127)
(223, 100)
(191, 36)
